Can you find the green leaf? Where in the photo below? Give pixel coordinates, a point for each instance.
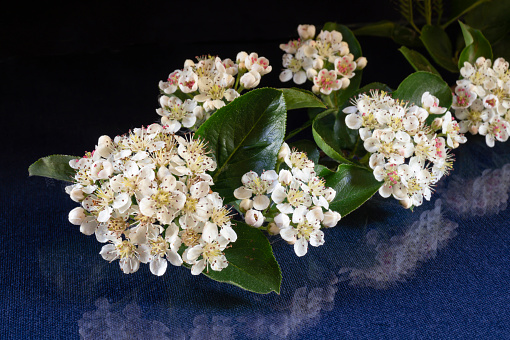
(418, 60)
(298, 98)
(245, 135)
(334, 137)
(251, 263)
(400, 34)
(413, 87)
(476, 45)
(354, 185)
(439, 46)
(54, 166)
(331, 135)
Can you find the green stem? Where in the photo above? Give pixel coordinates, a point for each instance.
(411, 19)
(476, 4)
(428, 12)
(328, 101)
(299, 129)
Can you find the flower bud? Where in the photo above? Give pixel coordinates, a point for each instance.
(331, 218)
(199, 112)
(306, 31)
(273, 229)
(254, 218)
(250, 80)
(246, 204)
(406, 203)
(241, 57)
(437, 123)
(284, 152)
(285, 177)
(361, 62)
(345, 83)
(77, 216)
(189, 63)
(77, 194)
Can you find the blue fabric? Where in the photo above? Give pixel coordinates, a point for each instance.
(440, 272)
(56, 285)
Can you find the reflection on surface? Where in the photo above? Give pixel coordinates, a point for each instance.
(398, 257)
(380, 246)
(484, 195)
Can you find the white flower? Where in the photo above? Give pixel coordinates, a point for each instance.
(431, 104)
(188, 81)
(258, 64)
(307, 230)
(130, 256)
(326, 82)
(345, 66)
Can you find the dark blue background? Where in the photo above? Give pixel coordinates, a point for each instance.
(71, 73)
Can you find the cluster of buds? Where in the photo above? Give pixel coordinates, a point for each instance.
(407, 154)
(147, 195)
(482, 99)
(325, 60)
(293, 203)
(191, 95)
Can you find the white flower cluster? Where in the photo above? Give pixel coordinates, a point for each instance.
(325, 60)
(209, 85)
(394, 133)
(482, 99)
(146, 194)
(292, 201)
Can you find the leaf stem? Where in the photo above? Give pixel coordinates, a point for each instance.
(298, 130)
(470, 8)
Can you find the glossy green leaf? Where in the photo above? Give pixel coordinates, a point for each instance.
(330, 135)
(251, 263)
(439, 46)
(413, 87)
(54, 166)
(245, 135)
(298, 99)
(354, 185)
(418, 60)
(476, 45)
(334, 137)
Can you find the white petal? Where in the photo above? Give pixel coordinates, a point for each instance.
(174, 258)
(261, 202)
(108, 252)
(210, 232)
(198, 267)
(288, 234)
(301, 247)
(228, 233)
(242, 193)
(158, 266)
